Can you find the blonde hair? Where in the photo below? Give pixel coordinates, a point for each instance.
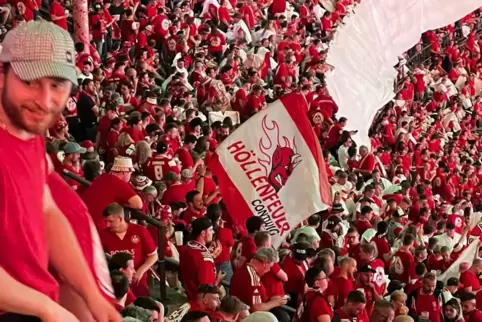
(398, 295)
(143, 152)
(123, 140)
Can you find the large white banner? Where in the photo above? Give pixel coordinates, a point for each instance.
(367, 46)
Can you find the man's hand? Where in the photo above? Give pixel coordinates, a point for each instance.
(137, 276)
(102, 310)
(55, 313)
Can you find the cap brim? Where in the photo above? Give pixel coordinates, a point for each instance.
(81, 150)
(32, 70)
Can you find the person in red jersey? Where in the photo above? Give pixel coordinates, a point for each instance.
(121, 236)
(468, 303)
(246, 282)
(195, 207)
(72, 162)
(176, 190)
(76, 213)
(196, 254)
(171, 138)
(124, 262)
(426, 302)
(184, 153)
(315, 307)
(160, 163)
(354, 308)
(246, 247)
(35, 86)
(469, 278)
(365, 282)
(403, 265)
(342, 284)
(366, 164)
(295, 266)
(111, 187)
(363, 222)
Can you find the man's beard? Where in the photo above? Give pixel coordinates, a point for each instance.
(14, 114)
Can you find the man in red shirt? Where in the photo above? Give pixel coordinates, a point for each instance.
(246, 247)
(426, 304)
(315, 306)
(121, 236)
(58, 14)
(35, 234)
(363, 222)
(176, 190)
(195, 207)
(124, 262)
(354, 308)
(343, 284)
(295, 266)
(366, 164)
(365, 282)
(403, 265)
(246, 282)
(470, 278)
(471, 314)
(196, 255)
(111, 187)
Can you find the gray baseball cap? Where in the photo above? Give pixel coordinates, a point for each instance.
(40, 49)
(74, 147)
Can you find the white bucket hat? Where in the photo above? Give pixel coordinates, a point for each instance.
(122, 164)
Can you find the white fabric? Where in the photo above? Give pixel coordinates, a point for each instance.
(467, 255)
(368, 45)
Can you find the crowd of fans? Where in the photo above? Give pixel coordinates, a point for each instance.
(163, 83)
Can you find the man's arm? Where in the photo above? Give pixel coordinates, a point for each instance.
(16, 297)
(67, 259)
(150, 260)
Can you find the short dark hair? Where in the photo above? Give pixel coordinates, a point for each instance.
(190, 195)
(312, 274)
(193, 316)
(314, 220)
(254, 224)
(120, 284)
(119, 261)
(356, 297)
(408, 239)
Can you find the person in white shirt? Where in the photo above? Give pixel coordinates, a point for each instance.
(343, 153)
(240, 29)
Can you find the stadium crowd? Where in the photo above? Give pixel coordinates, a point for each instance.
(162, 84)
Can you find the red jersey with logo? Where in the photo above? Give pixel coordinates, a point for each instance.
(195, 255)
(362, 317)
(427, 306)
(158, 165)
(314, 306)
(137, 241)
(247, 286)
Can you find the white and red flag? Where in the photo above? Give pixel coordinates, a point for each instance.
(272, 166)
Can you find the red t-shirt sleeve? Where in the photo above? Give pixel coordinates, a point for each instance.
(226, 236)
(148, 242)
(249, 248)
(125, 192)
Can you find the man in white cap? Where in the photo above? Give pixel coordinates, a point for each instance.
(37, 73)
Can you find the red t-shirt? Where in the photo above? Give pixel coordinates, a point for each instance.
(225, 237)
(315, 305)
(189, 215)
(247, 247)
(106, 189)
(176, 193)
(404, 266)
(273, 285)
(195, 255)
(428, 305)
(296, 273)
(468, 279)
(340, 288)
(70, 168)
(247, 286)
(137, 241)
(57, 10)
(474, 316)
(362, 226)
(185, 157)
(23, 175)
(77, 214)
(362, 317)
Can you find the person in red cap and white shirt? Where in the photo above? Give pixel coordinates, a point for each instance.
(112, 187)
(35, 86)
(121, 236)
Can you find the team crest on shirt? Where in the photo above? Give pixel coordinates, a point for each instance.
(280, 157)
(135, 239)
